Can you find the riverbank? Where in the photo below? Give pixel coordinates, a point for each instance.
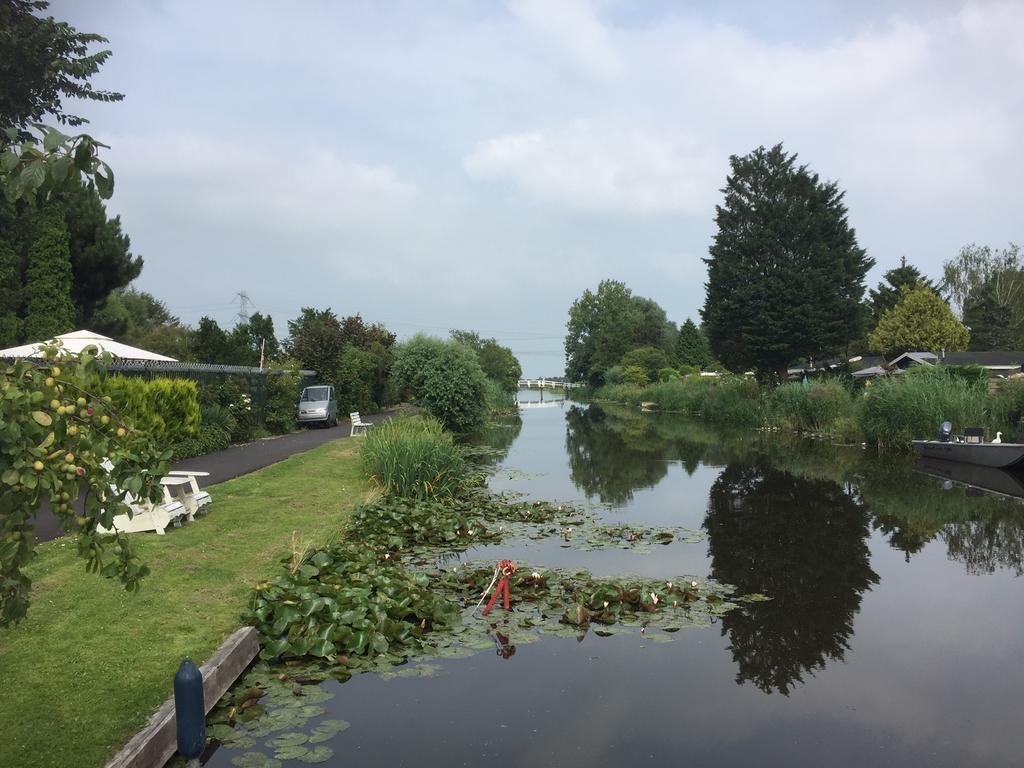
(887, 413)
(95, 662)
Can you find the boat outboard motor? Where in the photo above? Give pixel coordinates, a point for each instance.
(945, 431)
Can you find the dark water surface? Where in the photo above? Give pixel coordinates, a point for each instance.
(895, 635)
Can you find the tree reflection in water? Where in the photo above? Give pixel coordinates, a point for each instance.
(986, 546)
(610, 458)
(801, 542)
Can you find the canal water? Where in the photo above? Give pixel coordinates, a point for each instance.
(894, 636)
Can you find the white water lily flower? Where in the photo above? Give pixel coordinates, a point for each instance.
(535, 575)
(469, 532)
(654, 598)
(693, 584)
(668, 584)
(605, 603)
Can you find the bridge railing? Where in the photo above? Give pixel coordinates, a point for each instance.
(548, 384)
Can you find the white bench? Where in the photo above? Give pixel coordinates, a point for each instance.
(195, 500)
(359, 426)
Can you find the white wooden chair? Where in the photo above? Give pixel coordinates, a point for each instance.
(193, 498)
(148, 515)
(359, 426)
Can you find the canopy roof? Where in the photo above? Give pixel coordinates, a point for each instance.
(76, 341)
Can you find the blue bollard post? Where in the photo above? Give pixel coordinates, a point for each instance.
(189, 710)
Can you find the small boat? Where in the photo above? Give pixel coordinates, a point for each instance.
(999, 455)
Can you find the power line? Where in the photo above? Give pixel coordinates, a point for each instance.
(243, 307)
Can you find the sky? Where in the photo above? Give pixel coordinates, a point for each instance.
(478, 165)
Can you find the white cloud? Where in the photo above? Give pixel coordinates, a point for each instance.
(595, 168)
(244, 184)
(572, 28)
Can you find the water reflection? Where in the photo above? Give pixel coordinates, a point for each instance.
(609, 457)
(804, 543)
(987, 546)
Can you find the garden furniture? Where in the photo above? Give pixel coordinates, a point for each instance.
(359, 426)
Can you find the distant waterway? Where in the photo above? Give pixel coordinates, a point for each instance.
(893, 636)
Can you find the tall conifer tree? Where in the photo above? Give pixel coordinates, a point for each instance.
(785, 273)
(49, 310)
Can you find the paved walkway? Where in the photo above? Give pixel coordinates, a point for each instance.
(231, 462)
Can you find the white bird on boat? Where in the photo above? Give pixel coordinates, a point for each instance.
(998, 438)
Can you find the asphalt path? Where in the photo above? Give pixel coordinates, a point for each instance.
(231, 462)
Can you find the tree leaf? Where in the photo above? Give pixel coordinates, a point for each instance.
(42, 418)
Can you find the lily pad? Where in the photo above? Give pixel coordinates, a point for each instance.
(319, 754)
(327, 730)
(255, 760)
(288, 740)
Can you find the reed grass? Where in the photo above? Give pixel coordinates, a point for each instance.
(888, 412)
(413, 457)
(898, 409)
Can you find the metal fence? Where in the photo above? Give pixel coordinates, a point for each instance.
(208, 375)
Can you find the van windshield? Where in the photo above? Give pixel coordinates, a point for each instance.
(314, 394)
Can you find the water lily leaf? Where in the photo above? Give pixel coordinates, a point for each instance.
(288, 740)
(291, 753)
(319, 754)
(327, 730)
(255, 760)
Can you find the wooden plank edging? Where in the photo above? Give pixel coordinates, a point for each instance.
(155, 744)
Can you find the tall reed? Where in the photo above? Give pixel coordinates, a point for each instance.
(413, 458)
(898, 409)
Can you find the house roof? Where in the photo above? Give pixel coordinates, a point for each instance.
(909, 358)
(993, 359)
(874, 370)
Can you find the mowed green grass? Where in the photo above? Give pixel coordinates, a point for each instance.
(91, 663)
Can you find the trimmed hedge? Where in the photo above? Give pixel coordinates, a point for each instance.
(166, 409)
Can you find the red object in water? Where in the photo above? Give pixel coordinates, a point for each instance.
(507, 568)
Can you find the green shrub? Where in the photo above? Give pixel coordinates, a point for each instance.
(898, 409)
(356, 377)
(500, 402)
(283, 389)
(216, 416)
(635, 375)
(445, 378)
(413, 457)
(166, 409)
(613, 375)
(668, 374)
(649, 359)
(410, 363)
(207, 440)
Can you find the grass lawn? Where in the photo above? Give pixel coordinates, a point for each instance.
(91, 662)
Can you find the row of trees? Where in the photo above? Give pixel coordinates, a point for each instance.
(613, 329)
(786, 282)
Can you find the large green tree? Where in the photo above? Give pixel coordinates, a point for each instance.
(605, 324)
(987, 286)
(920, 322)
(42, 62)
(498, 362)
(785, 273)
(992, 325)
(48, 307)
(101, 259)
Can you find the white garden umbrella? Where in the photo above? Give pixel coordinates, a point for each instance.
(76, 341)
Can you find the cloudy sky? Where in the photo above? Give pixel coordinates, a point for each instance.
(479, 164)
